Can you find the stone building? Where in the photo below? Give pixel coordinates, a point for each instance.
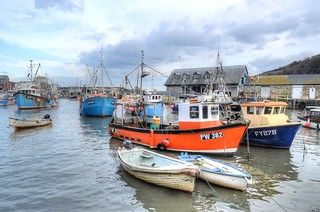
(195, 80)
(299, 86)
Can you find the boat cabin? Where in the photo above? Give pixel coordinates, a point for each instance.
(264, 112)
(152, 98)
(198, 115)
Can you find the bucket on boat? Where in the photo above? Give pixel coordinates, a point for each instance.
(156, 120)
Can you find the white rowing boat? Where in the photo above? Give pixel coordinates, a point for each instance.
(218, 172)
(158, 169)
(30, 122)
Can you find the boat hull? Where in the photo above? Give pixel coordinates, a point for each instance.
(218, 172)
(311, 124)
(28, 101)
(29, 123)
(98, 106)
(224, 139)
(3, 102)
(174, 175)
(280, 136)
(227, 181)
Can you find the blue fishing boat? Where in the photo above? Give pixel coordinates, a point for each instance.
(270, 126)
(98, 106)
(36, 93)
(4, 100)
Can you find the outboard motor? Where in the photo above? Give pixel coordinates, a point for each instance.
(47, 116)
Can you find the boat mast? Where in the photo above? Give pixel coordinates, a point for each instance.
(101, 65)
(141, 74)
(31, 66)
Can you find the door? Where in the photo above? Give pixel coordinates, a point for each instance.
(297, 91)
(312, 93)
(265, 92)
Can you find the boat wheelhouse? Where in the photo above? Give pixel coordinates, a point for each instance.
(199, 129)
(269, 125)
(154, 105)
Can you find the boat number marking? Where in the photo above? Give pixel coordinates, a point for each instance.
(90, 102)
(265, 132)
(213, 135)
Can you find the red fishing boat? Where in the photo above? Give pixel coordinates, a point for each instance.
(199, 129)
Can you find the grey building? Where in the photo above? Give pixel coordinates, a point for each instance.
(195, 80)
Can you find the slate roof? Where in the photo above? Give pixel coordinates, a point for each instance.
(294, 79)
(185, 76)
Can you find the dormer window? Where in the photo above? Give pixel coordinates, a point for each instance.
(175, 76)
(196, 76)
(207, 76)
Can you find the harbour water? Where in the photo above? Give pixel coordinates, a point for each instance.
(73, 166)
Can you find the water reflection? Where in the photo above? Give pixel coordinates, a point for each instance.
(156, 198)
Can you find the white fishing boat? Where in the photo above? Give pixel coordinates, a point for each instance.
(158, 169)
(30, 122)
(218, 172)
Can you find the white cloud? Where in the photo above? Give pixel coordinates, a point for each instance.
(57, 32)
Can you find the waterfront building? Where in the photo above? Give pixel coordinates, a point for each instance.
(195, 80)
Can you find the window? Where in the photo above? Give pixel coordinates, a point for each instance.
(282, 109)
(259, 110)
(214, 111)
(250, 110)
(205, 112)
(194, 112)
(276, 110)
(268, 110)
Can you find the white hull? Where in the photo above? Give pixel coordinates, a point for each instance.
(176, 176)
(238, 183)
(28, 123)
(219, 173)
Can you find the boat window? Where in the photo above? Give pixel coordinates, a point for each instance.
(214, 111)
(259, 110)
(282, 109)
(268, 110)
(205, 112)
(250, 110)
(276, 110)
(194, 112)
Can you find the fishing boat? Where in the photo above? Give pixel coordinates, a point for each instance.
(219, 172)
(269, 125)
(36, 93)
(310, 117)
(158, 169)
(4, 100)
(199, 129)
(30, 122)
(98, 103)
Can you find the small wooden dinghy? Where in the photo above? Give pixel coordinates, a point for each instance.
(158, 169)
(30, 122)
(218, 172)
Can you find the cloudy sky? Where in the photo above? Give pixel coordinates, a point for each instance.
(65, 36)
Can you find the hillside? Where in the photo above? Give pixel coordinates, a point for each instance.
(310, 65)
